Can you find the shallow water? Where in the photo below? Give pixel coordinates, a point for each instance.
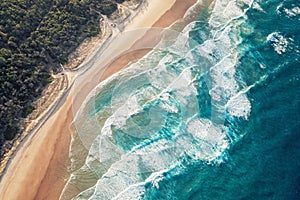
(211, 113)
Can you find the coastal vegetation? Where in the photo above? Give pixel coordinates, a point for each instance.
(36, 37)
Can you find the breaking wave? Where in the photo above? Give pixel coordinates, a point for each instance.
(177, 106)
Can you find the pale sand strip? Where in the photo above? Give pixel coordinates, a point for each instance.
(39, 169)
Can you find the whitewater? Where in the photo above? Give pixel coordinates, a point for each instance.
(190, 120)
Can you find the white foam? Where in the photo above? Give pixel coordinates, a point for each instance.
(161, 155)
(258, 7)
(211, 137)
(167, 104)
(226, 11)
(239, 106)
(223, 74)
(136, 191)
(203, 140)
(123, 177)
(127, 171)
(85, 195)
(292, 12)
(278, 42)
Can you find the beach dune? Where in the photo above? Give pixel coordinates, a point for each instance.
(39, 170)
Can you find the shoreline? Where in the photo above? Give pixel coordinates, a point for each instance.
(43, 158)
(44, 108)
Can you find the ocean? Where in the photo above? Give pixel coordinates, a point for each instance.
(212, 112)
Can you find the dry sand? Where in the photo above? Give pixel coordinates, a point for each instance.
(39, 170)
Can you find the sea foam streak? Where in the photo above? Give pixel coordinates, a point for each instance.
(167, 108)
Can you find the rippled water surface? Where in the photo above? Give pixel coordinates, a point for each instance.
(211, 113)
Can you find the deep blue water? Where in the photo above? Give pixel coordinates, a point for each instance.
(265, 163)
(218, 120)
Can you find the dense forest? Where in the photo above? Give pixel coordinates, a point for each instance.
(36, 36)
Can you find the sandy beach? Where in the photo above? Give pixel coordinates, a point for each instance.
(39, 170)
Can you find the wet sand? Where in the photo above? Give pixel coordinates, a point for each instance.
(39, 170)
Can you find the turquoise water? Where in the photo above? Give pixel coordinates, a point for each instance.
(213, 114)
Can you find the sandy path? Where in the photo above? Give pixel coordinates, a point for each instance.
(39, 169)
